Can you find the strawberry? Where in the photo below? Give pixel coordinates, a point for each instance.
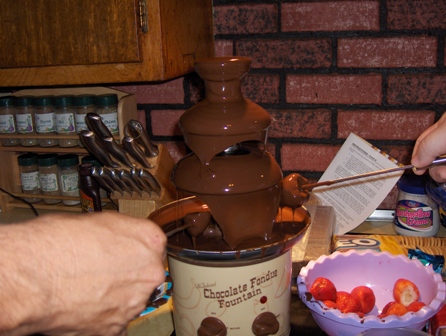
(346, 303)
(323, 289)
(365, 296)
(415, 306)
(393, 308)
(405, 292)
(330, 304)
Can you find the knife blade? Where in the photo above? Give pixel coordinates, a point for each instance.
(135, 151)
(135, 130)
(95, 147)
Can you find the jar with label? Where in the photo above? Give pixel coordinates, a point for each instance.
(107, 108)
(416, 214)
(65, 124)
(48, 177)
(437, 192)
(7, 120)
(95, 162)
(89, 189)
(83, 104)
(29, 176)
(68, 177)
(24, 113)
(45, 120)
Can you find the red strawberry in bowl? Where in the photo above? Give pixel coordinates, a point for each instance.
(405, 292)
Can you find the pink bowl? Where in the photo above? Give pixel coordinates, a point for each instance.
(379, 271)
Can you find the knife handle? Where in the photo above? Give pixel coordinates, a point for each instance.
(95, 124)
(96, 148)
(135, 130)
(135, 151)
(117, 151)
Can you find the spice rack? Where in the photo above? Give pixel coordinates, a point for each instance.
(135, 205)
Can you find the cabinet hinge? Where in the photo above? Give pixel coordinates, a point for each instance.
(143, 16)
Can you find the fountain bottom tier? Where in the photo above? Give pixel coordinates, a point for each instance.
(222, 291)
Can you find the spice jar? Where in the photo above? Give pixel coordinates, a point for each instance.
(7, 120)
(48, 177)
(45, 120)
(68, 177)
(89, 189)
(29, 176)
(24, 113)
(107, 108)
(96, 163)
(83, 104)
(416, 213)
(65, 125)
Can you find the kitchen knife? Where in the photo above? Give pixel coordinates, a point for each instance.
(135, 151)
(150, 180)
(141, 183)
(117, 151)
(127, 178)
(102, 182)
(114, 174)
(109, 180)
(95, 124)
(96, 148)
(135, 130)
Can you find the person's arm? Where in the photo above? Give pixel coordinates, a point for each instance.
(79, 274)
(429, 145)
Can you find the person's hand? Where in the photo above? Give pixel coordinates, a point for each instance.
(86, 274)
(429, 145)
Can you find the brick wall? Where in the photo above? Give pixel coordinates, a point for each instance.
(322, 69)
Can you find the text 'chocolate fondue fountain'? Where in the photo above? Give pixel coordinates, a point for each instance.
(230, 169)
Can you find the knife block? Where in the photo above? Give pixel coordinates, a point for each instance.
(141, 206)
(132, 205)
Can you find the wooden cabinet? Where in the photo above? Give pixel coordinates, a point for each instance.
(53, 42)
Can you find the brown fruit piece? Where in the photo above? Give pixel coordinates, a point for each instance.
(323, 289)
(366, 298)
(405, 292)
(346, 303)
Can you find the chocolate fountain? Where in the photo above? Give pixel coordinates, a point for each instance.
(229, 246)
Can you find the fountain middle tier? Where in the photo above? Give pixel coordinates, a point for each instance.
(242, 189)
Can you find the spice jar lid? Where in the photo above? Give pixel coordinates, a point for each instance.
(24, 101)
(28, 159)
(84, 100)
(43, 101)
(61, 101)
(413, 184)
(46, 160)
(7, 101)
(93, 160)
(67, 160)
(106, 99)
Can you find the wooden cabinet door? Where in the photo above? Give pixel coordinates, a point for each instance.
(71, 42)
(67, 32)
